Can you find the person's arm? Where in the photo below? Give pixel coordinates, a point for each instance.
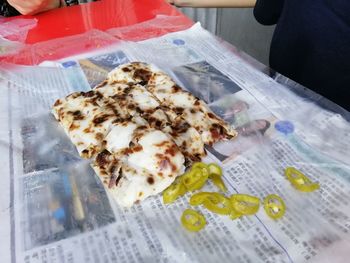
(267, 12)
(213, 3)
(34, 6)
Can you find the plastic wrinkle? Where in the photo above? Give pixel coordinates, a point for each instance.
(76, 31)
(17, 30)
(59, 48)
(156, 27)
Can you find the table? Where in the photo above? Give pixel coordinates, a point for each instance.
(43, 180)
(102, 15)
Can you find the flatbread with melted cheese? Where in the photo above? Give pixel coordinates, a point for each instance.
(86, 118)
(180, 103)
(138, 162)
(136, 100)
(140, 128)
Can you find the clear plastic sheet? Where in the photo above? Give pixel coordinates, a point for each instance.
(8, 47)
(13, 34)
(55, 209)
(17, 29)
(34, 54)
(58, 195)
(58, 48)
(155, 27)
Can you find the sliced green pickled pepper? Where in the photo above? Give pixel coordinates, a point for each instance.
(198, 198)
(217, 180)
(174, 191)
(217, 203)
(245, 204)
(214, 169)
(274, 206)
(235, 214)
(299, 181)
(200, 165)
(215, 174)
(195, 178)
(193, 220)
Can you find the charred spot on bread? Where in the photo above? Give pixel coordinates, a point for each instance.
(101, 119)
(73, 127)
(142, 74)
(57, 103)
(102, 158)
(150, 180)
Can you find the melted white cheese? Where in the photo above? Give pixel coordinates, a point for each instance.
(120, 136)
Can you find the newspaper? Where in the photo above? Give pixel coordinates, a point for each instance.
(54, 208)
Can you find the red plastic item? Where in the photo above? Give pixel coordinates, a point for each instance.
(74, 30)
(102, 15)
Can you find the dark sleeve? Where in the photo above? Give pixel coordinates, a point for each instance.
(7, 10)
(267, 12)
